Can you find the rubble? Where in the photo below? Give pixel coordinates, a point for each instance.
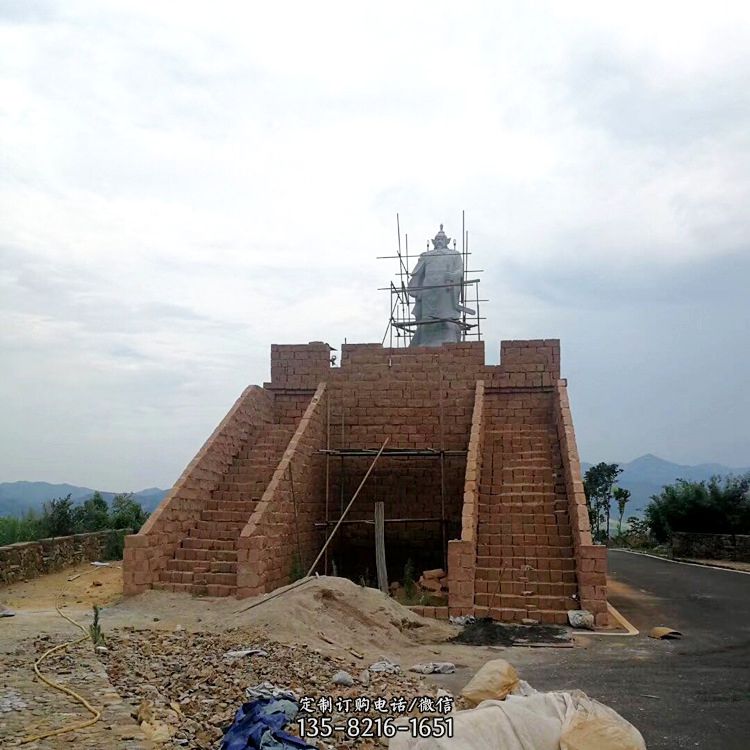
(195, 692)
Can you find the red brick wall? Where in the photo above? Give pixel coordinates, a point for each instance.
(147, 552)
(400, 394)
(282, 528)
(591, 560)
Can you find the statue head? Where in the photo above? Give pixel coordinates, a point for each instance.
(441, 241)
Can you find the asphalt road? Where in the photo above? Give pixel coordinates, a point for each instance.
(689, 693)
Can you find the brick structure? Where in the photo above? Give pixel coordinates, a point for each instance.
(482, 473)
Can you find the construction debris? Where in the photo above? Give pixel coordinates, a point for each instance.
(581, 618)
(245, 652)
(435, 583)
(196, 692)
(343, 678)
(662, 633)
(434, 667)
(386, 666)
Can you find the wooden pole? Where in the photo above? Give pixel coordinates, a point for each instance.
(380, 563)
(346, 510)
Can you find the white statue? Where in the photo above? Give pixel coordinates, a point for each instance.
(435, 286)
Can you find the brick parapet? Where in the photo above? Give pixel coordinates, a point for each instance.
(147, 552)
(591, 559)
(461, 576)
(282, 526)
(531, 363)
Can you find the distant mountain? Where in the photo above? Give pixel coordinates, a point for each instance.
(645, 476)
(18, 497)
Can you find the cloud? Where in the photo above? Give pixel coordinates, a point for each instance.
(179, 190)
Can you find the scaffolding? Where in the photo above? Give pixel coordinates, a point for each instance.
(401, 324)
(344, 453)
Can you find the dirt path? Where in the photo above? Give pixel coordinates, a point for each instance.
(27, 706)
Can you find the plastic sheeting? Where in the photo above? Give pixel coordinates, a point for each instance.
(542, 721)
(260, 724)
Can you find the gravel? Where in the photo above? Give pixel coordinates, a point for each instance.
(182, 680)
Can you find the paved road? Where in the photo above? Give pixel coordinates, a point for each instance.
(691, 693)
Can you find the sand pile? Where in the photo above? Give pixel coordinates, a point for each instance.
(336, 609)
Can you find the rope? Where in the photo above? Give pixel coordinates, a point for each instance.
(96, 714)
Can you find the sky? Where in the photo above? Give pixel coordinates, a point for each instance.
(183, 184)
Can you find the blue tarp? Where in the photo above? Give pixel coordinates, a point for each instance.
(260, 724)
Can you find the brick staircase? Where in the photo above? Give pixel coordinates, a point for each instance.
(205, 561)
(525, 562)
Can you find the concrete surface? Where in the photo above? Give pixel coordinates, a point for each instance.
(689, 693)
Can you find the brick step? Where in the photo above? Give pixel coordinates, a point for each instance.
(510, 614)
(545, 509)
(489, 571)
(517, 588)
(196, 589)
(500, 459)
(502, 426)
(233, 496)
(204, 543)
(244, 474)
(265, 452)
(256, 463)
(551, 551)
(206, 566)
(236, 516)
(550, 540)
(517, 522)
(168, 586)
(234, 506)
(493, 497)
(513, 562)
(486, 485)
(519, 573)
(553, 524)
(206, 530)
(528, 602)
(220, 555)
(198, 577)
(522, 551)
(246, 486)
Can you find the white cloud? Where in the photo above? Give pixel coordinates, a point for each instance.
(181, 186)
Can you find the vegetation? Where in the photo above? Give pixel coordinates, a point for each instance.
(61, 517)
(622, 496)
(95, 629)
(718, 506)
(599, 486)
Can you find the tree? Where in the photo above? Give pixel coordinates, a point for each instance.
(598, 483)
(93, 515)
(622, 496)
(718, 506)
(127, 513)
(57, 517)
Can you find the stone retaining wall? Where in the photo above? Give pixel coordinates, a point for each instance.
(711, 546)
(24, 560)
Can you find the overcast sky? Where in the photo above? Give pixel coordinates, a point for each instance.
(183, 184)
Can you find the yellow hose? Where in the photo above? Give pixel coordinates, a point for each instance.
(96, 714)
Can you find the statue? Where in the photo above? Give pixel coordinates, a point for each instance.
(435, 286)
